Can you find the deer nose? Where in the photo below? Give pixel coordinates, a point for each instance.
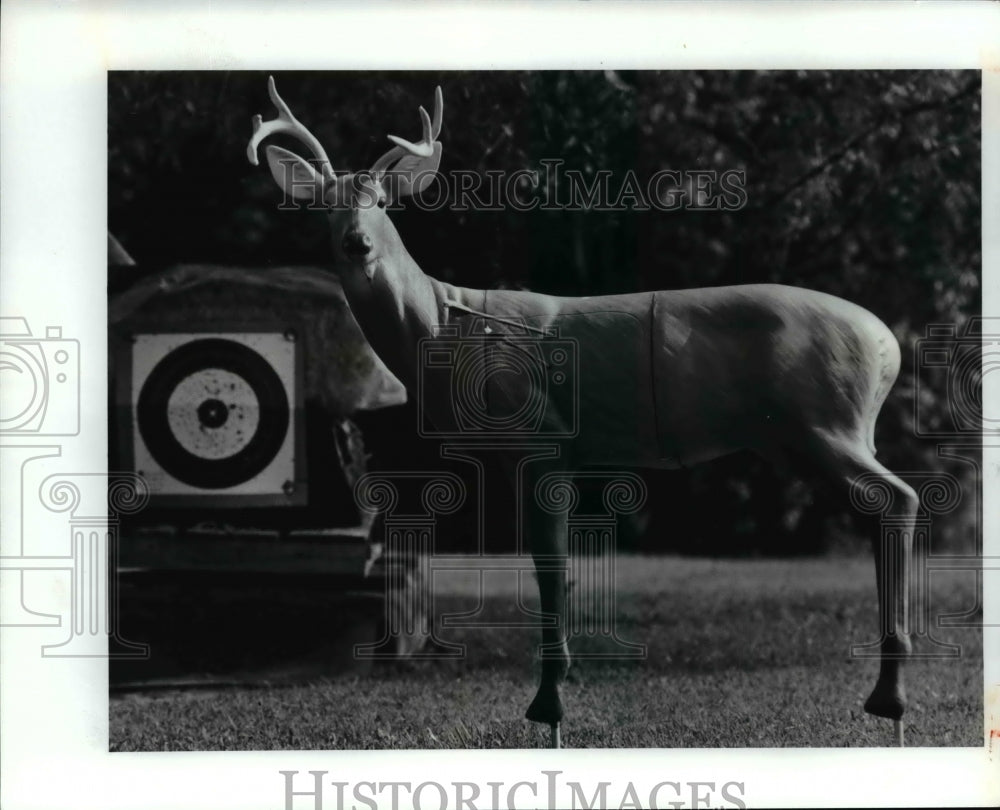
(356, 244)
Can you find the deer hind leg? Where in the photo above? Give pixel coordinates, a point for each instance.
(548, 542)
(843, 460)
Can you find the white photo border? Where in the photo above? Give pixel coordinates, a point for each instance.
(53, 176)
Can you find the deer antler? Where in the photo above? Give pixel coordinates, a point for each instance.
(287, 124)
(424, 147)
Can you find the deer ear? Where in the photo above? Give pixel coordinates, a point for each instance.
(294, 175)
(412, 174)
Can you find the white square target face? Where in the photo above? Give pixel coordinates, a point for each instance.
(214, 415)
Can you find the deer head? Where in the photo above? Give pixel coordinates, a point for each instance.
(363, 236)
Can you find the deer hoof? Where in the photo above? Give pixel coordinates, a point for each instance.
(546, 707)
(887, 700)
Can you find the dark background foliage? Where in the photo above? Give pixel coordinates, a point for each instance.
(864, 184)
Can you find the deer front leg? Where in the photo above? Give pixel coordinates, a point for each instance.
(547, 536)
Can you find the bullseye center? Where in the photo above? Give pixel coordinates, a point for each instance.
(212, 413)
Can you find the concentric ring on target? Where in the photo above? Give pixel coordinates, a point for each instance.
(213, 413)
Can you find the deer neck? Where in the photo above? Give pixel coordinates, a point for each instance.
(395, 307)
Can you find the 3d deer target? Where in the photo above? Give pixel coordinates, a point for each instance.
(665, 378)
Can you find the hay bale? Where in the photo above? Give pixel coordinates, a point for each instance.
(342, 373)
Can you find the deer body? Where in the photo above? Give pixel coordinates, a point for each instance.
(662, 379)
(696, 374)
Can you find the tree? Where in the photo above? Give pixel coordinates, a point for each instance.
(864, 184)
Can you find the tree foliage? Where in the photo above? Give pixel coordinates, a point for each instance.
(864, 184)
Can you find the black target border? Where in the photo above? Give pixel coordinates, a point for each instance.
(230, 355)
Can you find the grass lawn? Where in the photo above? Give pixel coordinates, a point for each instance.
(741, 653)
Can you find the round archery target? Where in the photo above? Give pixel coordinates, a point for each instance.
(213, 413)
